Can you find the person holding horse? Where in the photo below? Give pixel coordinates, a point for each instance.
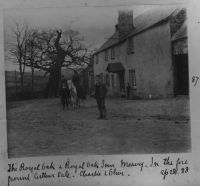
(64, 92)
(81, 95)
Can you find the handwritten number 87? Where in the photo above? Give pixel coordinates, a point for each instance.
(195, 80)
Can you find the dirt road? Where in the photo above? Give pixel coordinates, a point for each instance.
(41, 127)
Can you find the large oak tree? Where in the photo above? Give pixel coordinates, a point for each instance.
(59, 49)
(48, 50)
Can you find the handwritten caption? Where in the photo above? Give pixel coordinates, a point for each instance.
(102, 168)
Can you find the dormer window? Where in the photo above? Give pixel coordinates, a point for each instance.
(106, 55)
(113, 53)
(132, 78)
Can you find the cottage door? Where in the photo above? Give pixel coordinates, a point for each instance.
(181, 74)
(121, 80)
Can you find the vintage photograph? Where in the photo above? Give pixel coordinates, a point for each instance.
(97, 80)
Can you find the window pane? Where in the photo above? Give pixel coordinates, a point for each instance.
(113, 53)
(132, 78)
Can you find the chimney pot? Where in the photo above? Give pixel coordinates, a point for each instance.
(125, 22)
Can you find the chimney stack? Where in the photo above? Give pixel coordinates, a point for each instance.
(125, 22)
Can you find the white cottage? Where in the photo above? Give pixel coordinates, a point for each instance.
(140, 53)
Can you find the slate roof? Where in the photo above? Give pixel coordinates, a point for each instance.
(181, 33)
(142, 22)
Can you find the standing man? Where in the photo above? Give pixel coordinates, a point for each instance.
(64, 92)
(100, 95)
(128, 88)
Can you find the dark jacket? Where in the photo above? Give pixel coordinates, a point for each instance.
(100, 91)
(64, 89)
(80, 92)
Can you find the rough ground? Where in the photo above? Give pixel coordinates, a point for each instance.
(41, 127)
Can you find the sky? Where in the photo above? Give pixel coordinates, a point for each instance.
(95, 23)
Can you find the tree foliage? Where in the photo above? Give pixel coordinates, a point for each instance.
(50, 46)
(18, 49)
(48, 50)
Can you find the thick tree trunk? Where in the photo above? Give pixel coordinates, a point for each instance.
(22, 82)
(53, 83)
(52, 88)
(32, 81)
(21, 76)
(16, 88)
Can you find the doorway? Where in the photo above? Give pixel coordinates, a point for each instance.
(181, 75)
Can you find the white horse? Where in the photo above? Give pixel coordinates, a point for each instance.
(73, 94)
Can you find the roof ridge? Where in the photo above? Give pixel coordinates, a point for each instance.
(143, 22)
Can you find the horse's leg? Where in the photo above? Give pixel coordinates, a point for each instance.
(67, 102)
(82, 102)
(79, 102)
(75, 102)
(70, 100)
(63, 102)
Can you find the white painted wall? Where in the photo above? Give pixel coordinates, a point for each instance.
(152, 62)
